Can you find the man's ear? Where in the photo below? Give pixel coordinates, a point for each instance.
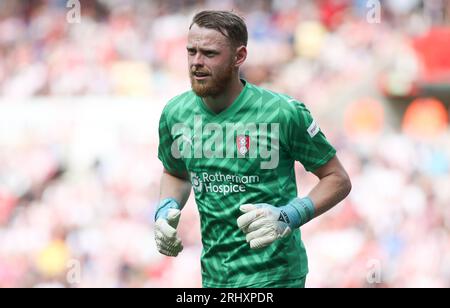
(241, 56)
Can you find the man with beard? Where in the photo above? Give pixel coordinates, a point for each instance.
(249, 211)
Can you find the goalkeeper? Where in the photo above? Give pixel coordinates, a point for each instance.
(251, 235)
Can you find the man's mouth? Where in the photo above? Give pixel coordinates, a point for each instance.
(200, 75)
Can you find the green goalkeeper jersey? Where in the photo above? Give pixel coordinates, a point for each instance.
(244, 154)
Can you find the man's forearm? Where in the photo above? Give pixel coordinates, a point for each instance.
(175, 187)
(331, 189)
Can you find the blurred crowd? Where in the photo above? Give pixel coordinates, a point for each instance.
(130, 47)
(79, 179)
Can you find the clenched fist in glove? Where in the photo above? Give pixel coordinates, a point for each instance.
(264, 223)
(167, 217)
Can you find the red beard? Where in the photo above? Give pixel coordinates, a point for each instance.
(214, 85)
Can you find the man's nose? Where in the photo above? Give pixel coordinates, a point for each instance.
(198, 60)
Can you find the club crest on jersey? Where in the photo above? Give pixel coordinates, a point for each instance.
(243, 144)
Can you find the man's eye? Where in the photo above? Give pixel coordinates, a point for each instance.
(191, 52)
(210, 54)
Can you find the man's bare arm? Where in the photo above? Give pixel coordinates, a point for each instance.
(177, 187)
(333, 187)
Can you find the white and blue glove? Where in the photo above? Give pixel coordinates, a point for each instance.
(264, 223)
(167, 217)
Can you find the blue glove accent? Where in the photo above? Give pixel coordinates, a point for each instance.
(164, 206)
(297, 212)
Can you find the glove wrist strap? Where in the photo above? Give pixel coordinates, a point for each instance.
(164, 206)
(300, 211)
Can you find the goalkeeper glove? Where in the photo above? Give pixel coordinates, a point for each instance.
(264, 223)
(167, 217)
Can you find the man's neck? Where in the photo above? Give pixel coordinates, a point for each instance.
(221, 102)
